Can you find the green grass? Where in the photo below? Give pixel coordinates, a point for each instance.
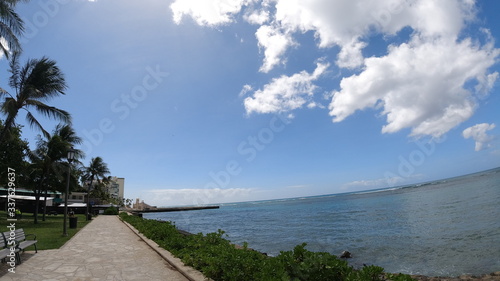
(49, 233)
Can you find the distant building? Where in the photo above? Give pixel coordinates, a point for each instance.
(116, 187)
(141, 205)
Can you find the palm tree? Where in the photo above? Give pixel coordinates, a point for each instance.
(48, 166)
(37, 81)
(11, 26)
(97, 169)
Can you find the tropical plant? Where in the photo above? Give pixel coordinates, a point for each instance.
(34, 83)
(48, 167)
(11, 26)
(12, 154)
(97, 170)
(94, 177)
(111, 211)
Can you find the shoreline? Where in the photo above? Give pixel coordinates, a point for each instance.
(494, 276)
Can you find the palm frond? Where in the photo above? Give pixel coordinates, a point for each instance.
(9, 106)
(68, 134)
(42, 79)
(14, 70)
(49, 111)
(11, 26)
(35, 124)
(36, 81)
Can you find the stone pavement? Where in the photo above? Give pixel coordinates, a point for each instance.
(105, 249)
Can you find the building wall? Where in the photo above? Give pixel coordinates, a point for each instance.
(121, 183)
(116, 187)
(140, 205)
(77, 197)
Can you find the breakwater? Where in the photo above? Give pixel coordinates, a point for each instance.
(175, 209)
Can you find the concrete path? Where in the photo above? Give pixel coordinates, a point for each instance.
(105, 249)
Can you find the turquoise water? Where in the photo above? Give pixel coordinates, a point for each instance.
(444, 228)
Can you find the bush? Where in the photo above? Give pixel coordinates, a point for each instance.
(218, 259)
(111, 211)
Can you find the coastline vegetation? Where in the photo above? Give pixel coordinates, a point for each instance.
(218, 259)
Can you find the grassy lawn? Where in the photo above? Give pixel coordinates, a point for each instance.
(48, 232)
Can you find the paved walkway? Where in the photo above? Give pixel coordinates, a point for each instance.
(105, 249)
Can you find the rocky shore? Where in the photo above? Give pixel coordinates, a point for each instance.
(495, 276)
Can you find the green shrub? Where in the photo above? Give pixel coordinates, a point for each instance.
(218, 259)
(111, 211)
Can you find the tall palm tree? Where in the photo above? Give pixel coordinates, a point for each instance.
(11, 26)
(48, 161)
(97, 169)
(37, 81)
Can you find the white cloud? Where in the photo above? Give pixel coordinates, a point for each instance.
(350, 56)
(478, 134)
(196, 196)
(246, 88)
(335, 23)
(5, 44)
(375, 183)
(389, 181)
(274, 43)
(419, 85)
(346, 23)
(207, 12)
(285, 93)
(258, 17)
(423, 84)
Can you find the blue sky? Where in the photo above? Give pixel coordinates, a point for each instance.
(201, 102)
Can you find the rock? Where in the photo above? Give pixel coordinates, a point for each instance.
(345, 255)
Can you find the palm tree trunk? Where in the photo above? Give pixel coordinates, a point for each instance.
(37, 204)
(45, 205)
(38, 192)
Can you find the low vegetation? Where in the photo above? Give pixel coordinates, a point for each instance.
(111, 211)
(218, 259)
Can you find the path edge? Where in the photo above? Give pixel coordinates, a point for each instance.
(188, 272)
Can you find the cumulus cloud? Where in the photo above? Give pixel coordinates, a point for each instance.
(274, 42)
(418, 85)
(479, 135)
(285, 93)
(258, 17)
(207, 12)
(429, 84)
(347, 23)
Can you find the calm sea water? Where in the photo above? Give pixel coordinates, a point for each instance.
(444, 228)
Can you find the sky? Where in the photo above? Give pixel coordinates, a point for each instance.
(214, 101)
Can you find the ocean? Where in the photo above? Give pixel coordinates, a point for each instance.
(444, 228)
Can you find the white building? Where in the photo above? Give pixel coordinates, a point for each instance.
(77, 197)
(116, 187)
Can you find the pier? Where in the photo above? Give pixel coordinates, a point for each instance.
(174, 209)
